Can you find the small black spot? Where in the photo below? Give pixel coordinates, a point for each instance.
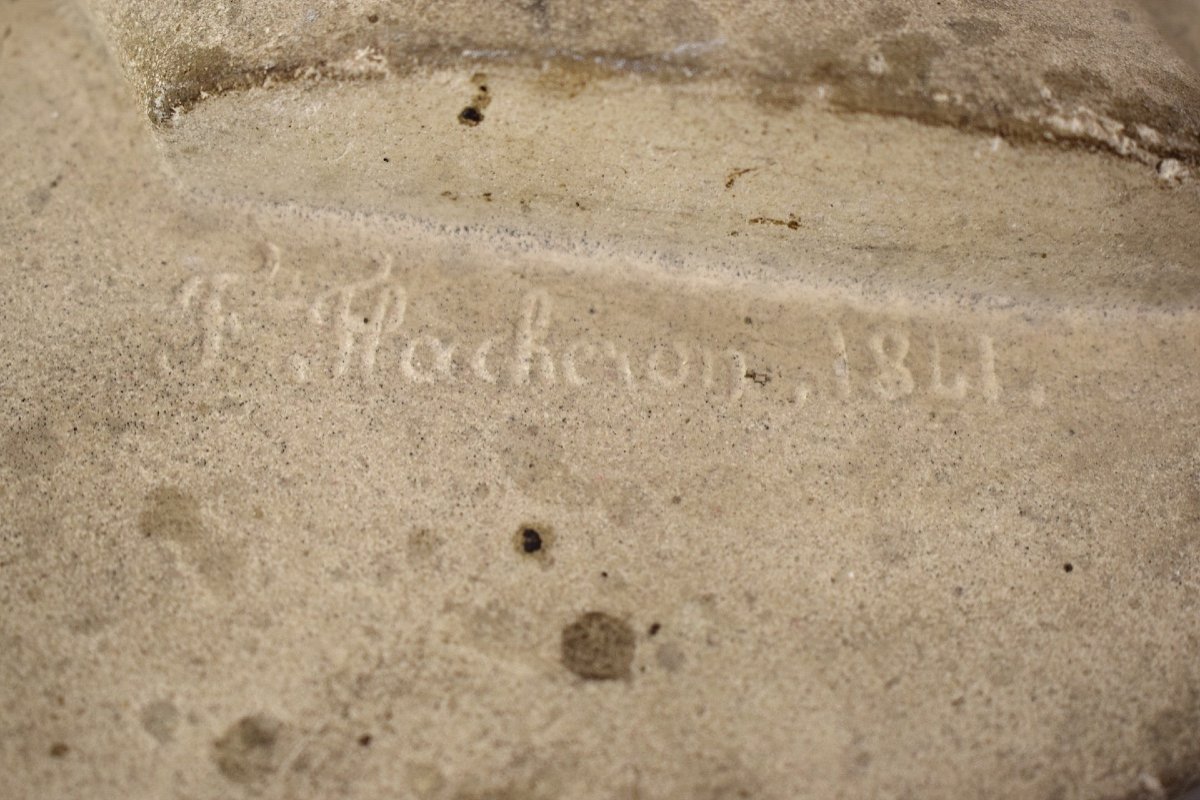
(760, 378)
(654, 628)
(604, 574)
(470, 116)
(387, 160)
(366, 320)
(372, 18)
(58, 750)
(531, 540)
(534, 540)
(365, 740)
(1068, 567)
(748, 321)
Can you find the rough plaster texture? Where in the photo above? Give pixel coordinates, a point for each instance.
(1079, 70)
(1179, 23)
(649, 438)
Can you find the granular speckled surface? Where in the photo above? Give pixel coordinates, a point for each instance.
(351, 450)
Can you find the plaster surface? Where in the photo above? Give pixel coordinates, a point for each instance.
(650, 437)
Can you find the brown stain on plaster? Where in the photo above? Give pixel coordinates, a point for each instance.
(250, 750)
(31, 449)
(598, 646)
(171, 514)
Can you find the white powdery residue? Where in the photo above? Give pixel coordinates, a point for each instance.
(486, 53)
(694, 48)
(307, 73)
(366, 62)
(1151, 785)
(1147, 134)
(1084, 123)
(990, 146)
(1170, 169)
